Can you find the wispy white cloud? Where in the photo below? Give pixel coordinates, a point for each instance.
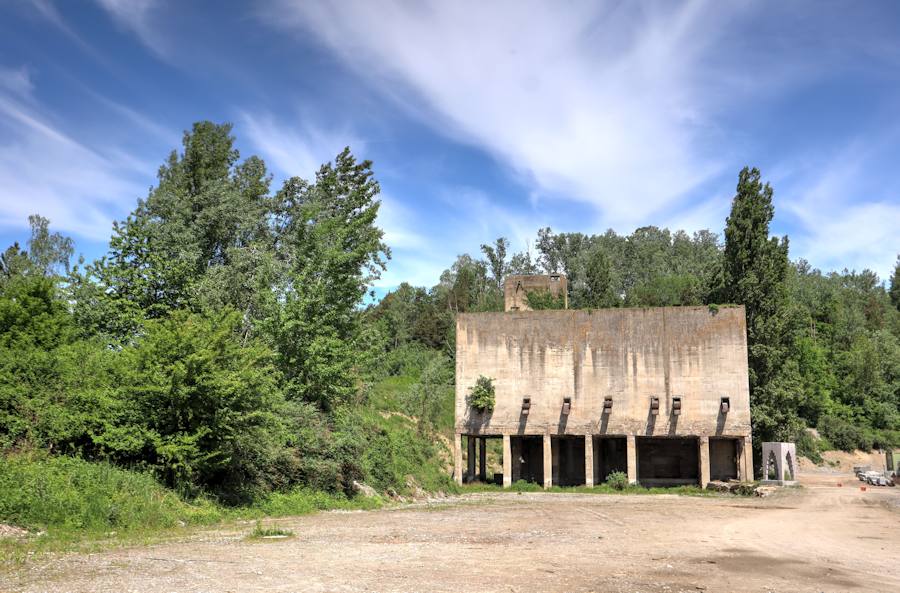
(47, 172)
(296, 150)
(637, 108)
(843, 218)
(16, 81)
(865, 236)
(137, 15)
(587, 101)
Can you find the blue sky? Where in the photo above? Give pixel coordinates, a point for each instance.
(483, 119)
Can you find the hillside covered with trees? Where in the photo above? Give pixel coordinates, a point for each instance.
(823, 346)
(221, 346)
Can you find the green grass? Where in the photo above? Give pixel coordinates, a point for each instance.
(522, 486)
(65, 494)
(260, 532)
(70, 504)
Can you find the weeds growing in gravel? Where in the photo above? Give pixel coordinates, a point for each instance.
(260, 532)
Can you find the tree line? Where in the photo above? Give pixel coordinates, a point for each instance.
(221, 344)
(823, 347)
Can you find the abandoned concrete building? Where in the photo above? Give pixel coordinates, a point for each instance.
(660, 394)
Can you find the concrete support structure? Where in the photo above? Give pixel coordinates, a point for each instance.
(704, 461)
(780, 458)
(507, 462)
(471, 453)
(632, 459)
(661, 394)
(589, 460)
(747, 459)
(457, 459)
(482, 459)
(548, 462)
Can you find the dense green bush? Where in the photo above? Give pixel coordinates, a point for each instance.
(841, 434)
(808, 447)
(848, 437)
(617, 480)
(482, 396)
(542, 299)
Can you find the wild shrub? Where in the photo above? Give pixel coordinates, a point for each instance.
(617, 480)
(542, 299)
(482, 396)
(808, 447)
(842, 434)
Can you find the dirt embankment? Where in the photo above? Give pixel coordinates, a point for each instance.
(839, 462)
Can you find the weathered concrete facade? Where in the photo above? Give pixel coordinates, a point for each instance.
(661, 394)
(515, 288)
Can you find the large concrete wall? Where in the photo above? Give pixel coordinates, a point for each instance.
(631, 355)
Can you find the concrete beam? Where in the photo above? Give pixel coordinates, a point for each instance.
(589, 460)
(704, 461)
(548, 463)
(457, 458)
(748, 459)
(482, 459)
(507, 462)
(631, 459)
(470, 440)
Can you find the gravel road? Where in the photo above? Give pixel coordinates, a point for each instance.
(817, 538)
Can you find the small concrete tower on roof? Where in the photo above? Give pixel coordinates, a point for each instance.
(516, 288)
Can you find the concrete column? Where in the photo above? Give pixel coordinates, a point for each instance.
(482, 459)
(470, 440)
(704, 461)
(457, 458)
(748, 459)
(631, 459)
(589, 460)
(507, 462)
(548, 463)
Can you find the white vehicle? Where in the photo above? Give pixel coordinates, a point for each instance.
(875, 478)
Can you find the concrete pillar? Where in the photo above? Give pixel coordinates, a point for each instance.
(471, 451)
(482, 459)
(507, 462)
(457, 458)
(704, 461)
(748, 459)
(631, 459)
(548, 463)
(589, 460)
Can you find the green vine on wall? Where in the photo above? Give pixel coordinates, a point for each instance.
(482, 397)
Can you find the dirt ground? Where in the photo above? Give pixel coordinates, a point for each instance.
(817, 538)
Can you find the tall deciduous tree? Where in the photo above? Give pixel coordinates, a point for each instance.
(497, 258)
(754, 271)
(199, 239)
(47, 255)
(328, 240)
(895, 284)
(598, 293)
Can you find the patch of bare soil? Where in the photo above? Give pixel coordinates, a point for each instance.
(841, 462)
(822, 537)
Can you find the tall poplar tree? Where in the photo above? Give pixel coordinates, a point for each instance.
(755, 270)
(895, 285)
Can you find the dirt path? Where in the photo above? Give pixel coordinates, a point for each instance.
(819, 538)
